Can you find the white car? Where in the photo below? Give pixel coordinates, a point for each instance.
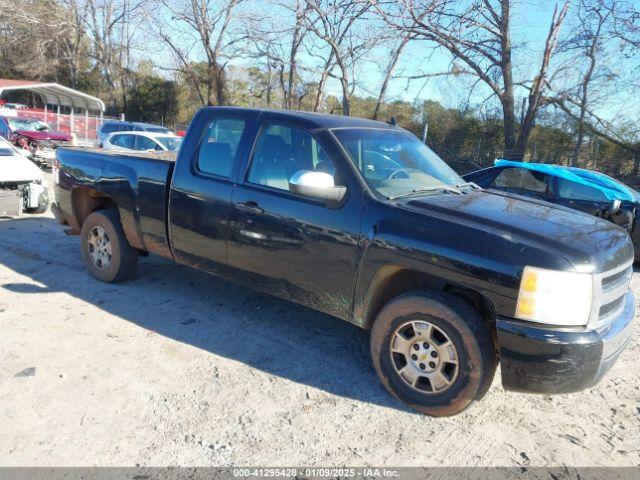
(142, 141)
(21, 186)
(11, 109)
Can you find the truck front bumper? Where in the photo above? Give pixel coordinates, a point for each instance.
(546, 360)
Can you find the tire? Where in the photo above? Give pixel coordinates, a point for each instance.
(43, 203)
(114, 260)
(459, 376)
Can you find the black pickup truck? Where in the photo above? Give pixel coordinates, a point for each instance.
(361, 220)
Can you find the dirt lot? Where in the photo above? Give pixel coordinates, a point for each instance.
(179, 368)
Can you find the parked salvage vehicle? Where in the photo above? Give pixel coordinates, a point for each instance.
(113, 126)
(21, 186)
(142, 141)
(592, 192)
(35, 136)
(11, 109)
(361, 220)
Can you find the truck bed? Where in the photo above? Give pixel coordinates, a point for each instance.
(164, 156)
(137, 183)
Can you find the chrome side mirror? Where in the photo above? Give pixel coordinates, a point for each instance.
(318, 185)
(614, 207)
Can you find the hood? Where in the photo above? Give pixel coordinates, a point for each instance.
(45, 135)
(588, 243)
(16, 168)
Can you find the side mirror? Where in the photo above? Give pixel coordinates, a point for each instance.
(318, 185)
(614, 207)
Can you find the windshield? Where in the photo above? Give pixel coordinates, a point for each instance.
(29, 124)
(395, 163)
(170, 143)
(6, 149)
(151, 128)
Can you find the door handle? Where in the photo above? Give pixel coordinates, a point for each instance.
(249, 207)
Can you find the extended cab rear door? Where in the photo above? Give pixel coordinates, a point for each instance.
(200, 197)
(293, 246)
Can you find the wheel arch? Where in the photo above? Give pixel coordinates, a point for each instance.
(391, 281)
(88, 200)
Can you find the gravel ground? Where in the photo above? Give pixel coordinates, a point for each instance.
(179, 368)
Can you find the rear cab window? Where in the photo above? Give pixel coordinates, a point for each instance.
(219, 147)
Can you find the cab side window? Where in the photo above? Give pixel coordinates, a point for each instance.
(144, 143)
(521, 179)
(283, 150)
(124, 141)
(219, 147)
(577, 191)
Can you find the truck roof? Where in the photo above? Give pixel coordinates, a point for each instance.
(321, 120)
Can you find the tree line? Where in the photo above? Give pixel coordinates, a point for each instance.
(566, 95)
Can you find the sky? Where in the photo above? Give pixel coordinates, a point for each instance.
(530, 24)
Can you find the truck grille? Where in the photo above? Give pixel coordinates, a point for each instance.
(609, 292)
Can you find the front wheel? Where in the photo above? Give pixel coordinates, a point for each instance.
(105, 249)
(433, 352)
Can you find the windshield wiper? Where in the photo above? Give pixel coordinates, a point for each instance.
(473, 185)
(419, 191)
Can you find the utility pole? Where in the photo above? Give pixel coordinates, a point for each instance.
(425, 130)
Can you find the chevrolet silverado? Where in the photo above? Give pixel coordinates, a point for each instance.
(361, 220)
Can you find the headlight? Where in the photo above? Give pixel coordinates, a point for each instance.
(553, 297)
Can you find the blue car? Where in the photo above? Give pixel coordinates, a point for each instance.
(585, 190)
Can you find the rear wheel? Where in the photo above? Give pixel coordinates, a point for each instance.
(105, 249)
(433, 352)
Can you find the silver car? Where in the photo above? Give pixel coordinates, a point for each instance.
(142, 141)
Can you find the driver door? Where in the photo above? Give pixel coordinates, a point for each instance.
(293, 246)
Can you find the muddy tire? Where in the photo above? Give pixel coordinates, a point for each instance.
(433, 352)
(105, 249)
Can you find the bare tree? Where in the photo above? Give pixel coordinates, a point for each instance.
(394, 57)
(585, 49)
(29, 38)
(275, 44)
(209, 21)
(627, 23)
(112, 30)
(478, 34)
(592, 82)
(337, 24)
(74, 37)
